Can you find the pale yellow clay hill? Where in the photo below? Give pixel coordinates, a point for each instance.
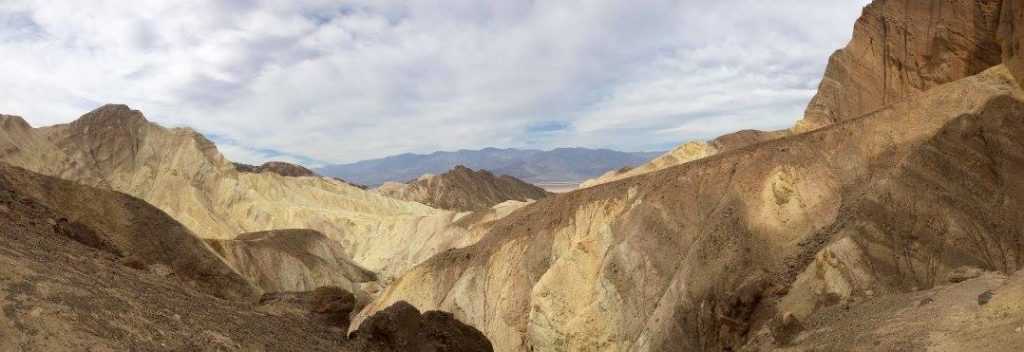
(183, 174)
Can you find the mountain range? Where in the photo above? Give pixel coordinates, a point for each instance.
(558, 166)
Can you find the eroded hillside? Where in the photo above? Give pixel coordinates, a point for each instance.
(699, 255)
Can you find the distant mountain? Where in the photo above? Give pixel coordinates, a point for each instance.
(463, 189)
(562, 165)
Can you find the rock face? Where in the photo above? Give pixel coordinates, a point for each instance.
(1011, 35)
(901, 48)
(183, 174)
(401, 327)
(277, 167)
(462, 189)
(688, 152)
(293, 261)
(703, 255)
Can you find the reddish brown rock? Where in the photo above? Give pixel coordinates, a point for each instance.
(463, 189)
(901, 48)
(1011, 35)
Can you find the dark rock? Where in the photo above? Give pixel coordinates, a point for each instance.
(401, 327)
(785, 329)
(984, 297)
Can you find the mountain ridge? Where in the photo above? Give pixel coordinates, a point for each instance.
(531, 165)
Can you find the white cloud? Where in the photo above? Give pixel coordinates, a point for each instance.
(341, 82)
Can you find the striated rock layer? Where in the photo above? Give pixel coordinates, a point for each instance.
(901, 48)
(705, 255)
(462, 189)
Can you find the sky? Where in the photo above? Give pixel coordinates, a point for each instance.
(317, 81)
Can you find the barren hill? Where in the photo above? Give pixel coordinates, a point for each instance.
(463, 189)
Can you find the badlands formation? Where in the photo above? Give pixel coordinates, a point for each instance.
(886, 219)
(903, 175)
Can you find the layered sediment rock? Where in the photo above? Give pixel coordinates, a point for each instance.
(902, 48)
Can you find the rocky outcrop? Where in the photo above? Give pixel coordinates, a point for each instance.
(688, 152)
(703, 256)
(901, 48)
(294, 261)
(462, 189)
(277, 167)
(401, 327)
(183, 174)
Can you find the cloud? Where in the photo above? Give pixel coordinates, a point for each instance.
(336, 81)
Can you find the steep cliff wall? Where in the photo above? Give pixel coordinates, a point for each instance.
(901, 48)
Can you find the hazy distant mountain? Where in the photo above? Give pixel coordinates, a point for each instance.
(536, 166)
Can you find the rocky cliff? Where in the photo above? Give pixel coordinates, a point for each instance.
(463, 189)
(901, 48)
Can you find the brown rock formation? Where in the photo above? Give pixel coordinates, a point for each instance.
(901, 48)
(463, 189)
(401, 327)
